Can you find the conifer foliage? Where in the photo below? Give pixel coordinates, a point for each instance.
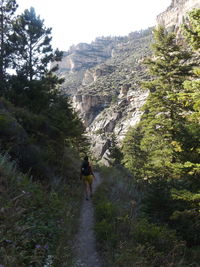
(35, 106)
(32, 40)
(163, 149)
(162, 124)
(7, 10)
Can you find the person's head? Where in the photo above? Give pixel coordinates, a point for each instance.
(86, 158)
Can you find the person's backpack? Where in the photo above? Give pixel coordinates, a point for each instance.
(85, 168)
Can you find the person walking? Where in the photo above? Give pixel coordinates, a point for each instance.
(87, 177)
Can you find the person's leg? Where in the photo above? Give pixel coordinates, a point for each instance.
(86, 189)
(90, 187)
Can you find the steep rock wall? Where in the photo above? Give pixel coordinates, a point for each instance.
(116, 119)
(176, 13)
(107, 96)
(103, 78)
(89, 106)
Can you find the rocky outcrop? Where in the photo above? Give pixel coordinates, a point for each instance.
(84, 63)
(91, 75)
(89, 106)
(116, 119)
(86, 55)
(103, 79)
(176, 13)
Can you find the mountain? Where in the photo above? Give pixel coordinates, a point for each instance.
(103, 79)
(176, 13)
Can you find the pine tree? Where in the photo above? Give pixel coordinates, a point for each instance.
(187, 218)
(192, 29)
(34, 86)
(133, 156)
(162, 123)
(115, 154)
(7, 11)
(33, 43)
(191, 94)
(190, 97)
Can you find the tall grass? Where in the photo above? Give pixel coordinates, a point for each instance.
(125, 237)
(37, 224)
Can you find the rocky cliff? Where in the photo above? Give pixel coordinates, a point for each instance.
(176, 13)
(103, 79)
(83, 57)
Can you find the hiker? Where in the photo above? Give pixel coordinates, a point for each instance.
(87, 176)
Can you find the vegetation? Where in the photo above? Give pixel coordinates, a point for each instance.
(36, 228)
(38, 122)
(115, 154)
(125, 236)
(150, 217)
(7, 11)
(41, 140)
(124, 67)
(147, 212)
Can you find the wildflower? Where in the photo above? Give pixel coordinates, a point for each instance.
(7, 241)
(46, 246)
(2, 265)
(37, 246)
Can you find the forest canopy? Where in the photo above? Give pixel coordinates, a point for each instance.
(37, 121)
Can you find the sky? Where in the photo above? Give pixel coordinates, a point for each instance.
(81, 21)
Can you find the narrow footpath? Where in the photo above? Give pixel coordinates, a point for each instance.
(85, 243)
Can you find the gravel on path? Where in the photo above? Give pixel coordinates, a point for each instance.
(85, 243)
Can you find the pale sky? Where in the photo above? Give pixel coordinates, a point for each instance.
(79, 21)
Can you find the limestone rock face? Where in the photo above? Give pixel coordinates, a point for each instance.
(176, 13)
(89, 106)
(91, 75)
(78, 64)
(116, 119)
(87, 55)
(103, 79)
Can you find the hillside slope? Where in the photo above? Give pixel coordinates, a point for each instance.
(107, 96)
(102, 78)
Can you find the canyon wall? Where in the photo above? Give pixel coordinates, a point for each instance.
(176, 13)
(103, 79)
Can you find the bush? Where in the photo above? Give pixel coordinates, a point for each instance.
(126, 239)
(159, 237)
(36, 223)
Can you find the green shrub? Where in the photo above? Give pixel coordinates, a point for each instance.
(159, 237)
(105, 220)
(35, 223)
(105, 210)
(105, 234)
(126, 239)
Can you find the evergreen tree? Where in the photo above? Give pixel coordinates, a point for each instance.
(115, 154)
(34, 86)
(33, 43)
(187, 218)
(190, 97)
(7, 11)
(167, 137)
(162, 123)
(191, 94)
(192, 29)
(133, 156)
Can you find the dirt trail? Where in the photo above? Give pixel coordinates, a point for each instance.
(85, 244)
